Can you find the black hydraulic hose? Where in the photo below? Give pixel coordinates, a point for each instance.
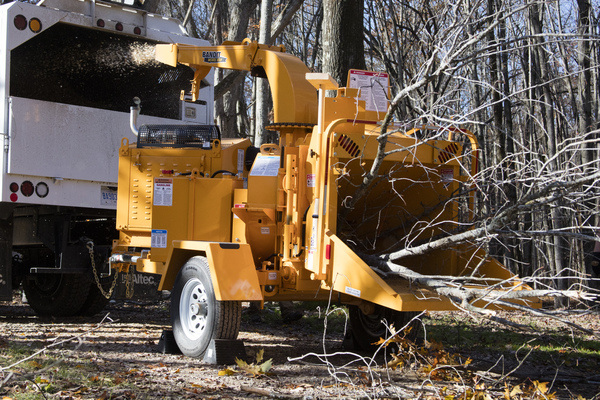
(221, 171)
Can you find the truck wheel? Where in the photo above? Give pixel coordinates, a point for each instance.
(95, 301)
(368, 328)
(196, 315)
(58, 295)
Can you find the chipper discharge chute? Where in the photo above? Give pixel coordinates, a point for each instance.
(224, 222)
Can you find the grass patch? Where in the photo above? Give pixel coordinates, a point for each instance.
(550, 345)
(337, 316)
(54, 371)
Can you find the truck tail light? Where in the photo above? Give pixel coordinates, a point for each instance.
(119, 26)
(137, 30)
(14, 187)
(27, 188)
(100, 23)
(20, 22)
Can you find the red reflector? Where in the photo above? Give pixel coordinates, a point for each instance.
(328, 252)
(137, 30)
(14, 197)
(27, 188)
(119, 26)
(14, 187)
(100, 23)
(20, 22)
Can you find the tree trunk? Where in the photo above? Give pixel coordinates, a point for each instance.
(343, 46)
(229, 107)
(584, 103)
(262, 91)
(547, 112)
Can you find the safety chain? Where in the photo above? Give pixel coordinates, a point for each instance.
(129, 283)
(90, 247)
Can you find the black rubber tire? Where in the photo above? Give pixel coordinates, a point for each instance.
(368, 329)
(196, 315)
(57, 295)
(95, 301)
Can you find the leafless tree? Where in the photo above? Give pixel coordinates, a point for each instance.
(505, 70)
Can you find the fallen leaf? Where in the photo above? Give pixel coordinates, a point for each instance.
(226, 372)
(266, 366)
(260, 355)
(515, 391)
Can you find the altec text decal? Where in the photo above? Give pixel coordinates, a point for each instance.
(213, 57)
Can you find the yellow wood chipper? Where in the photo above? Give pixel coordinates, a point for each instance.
(224, 222)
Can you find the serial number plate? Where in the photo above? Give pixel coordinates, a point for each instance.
(108, 196)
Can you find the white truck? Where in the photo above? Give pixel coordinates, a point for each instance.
(69, 71)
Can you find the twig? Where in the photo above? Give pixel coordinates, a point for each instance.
(268, 393)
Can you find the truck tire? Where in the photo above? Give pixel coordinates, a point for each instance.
(95, 301)
(57, 295)
(196, 315)
(368, 329)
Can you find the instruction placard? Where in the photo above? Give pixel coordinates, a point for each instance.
(374, 88)
(265, 166)
(163, 192)
(158, 238)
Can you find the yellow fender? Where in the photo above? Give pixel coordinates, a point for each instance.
(231, 265)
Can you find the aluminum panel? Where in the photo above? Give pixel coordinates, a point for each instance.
(64, 141)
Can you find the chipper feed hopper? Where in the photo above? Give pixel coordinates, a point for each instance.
(224, 222)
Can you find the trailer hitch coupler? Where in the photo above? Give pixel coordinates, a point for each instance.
(124, 258)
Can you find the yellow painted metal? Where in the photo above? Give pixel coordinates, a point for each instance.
(352, 276)
(200, 210)
(223, 258)
(294, 99)
(139, 167)
(238, 227)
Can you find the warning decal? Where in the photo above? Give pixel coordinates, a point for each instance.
(374, 88)
(163, 192)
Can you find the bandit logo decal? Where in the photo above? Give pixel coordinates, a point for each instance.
(213, 57)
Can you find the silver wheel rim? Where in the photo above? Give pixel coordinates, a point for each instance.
(193, 309)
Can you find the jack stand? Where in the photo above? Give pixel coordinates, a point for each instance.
(224, 351)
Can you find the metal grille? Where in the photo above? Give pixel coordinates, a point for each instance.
(178, 136)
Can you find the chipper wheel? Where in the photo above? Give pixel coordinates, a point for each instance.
(196, 316)
(369, 328)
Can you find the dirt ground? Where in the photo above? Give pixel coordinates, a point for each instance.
(120, 359)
